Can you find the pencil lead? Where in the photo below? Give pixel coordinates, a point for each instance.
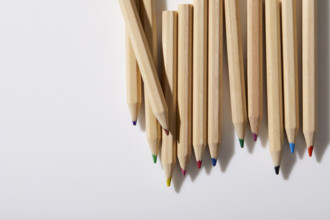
(134, 123)
(214, 161)
(255, 137)
(154, 157)
(168, 182)
(310, 150)
(292, 147)
(167, 132)
(183, 172)
(277, 170)
(241, 142)
(199, 164)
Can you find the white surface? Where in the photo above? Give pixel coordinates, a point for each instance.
(68, 149)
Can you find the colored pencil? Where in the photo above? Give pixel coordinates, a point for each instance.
(144, 58)
(255, 64)
(133, 80)
(185, 40)
(290, 71)
(274, 82)
(236, 68)
(215, 56)
(148, 19)
(309, 69)
(199, 79)
(170, 49)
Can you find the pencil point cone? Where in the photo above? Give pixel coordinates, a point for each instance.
(134, 123)
(255, 137)
(241, 142)
(154, 157)
(167, 132)
(168, 182)
(277, 169)
(214, 162)
(199, 164)
(292, 147)
(310, 150)
(183, 172)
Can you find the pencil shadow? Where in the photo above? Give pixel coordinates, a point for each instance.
(288, 161)
(227, 150)
(322, 138)
(299, 142)
(142, 118)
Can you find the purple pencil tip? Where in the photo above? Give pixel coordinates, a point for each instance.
(134, 123)
(255, 137)
(167, 132)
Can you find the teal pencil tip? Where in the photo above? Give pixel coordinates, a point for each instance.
(292, 147)
(241, 142)
(154, 157)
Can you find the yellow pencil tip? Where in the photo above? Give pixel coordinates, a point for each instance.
(168, 182)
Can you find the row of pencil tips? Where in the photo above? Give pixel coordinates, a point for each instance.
(187, 101)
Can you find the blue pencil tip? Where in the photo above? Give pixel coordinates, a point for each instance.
(134, 123)
(292, 147)
(214, 161)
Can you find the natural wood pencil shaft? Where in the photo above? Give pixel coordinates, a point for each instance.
(274, 80)
(309, 69)
(149, 23)
(133, 82)
(200, 78)
(255, 63)
(145, 61)
(290, 69)
(185, 29)
(170, 45)
(215, 57)
(235, 67)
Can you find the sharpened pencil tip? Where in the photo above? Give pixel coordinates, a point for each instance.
(154, 157)
(292, 147)
(277, 169)
(183, 172)
(214, 161)
(199, 164)
(134, 123)
(168, 182)
(255, 137)
(310, 151)
(167, 132)
(241, 142)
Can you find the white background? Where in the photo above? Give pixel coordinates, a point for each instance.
(68, 149)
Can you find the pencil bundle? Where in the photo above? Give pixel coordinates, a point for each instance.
(186, 101)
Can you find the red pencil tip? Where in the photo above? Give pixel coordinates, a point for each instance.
(183, 172)
(255, 136)
(167, 132)
(310, 150)
(199, 164)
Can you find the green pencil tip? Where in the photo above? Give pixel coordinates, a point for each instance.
(154, 157)
(168, 182)
(241, 142)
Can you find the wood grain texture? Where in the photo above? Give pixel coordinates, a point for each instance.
(170, 46)
(149, 23)
(309, 68)
(290, 69)
(274, 80)
(146, 64)
(200, 78)
(236, 67)
(255, 63)
(215, 61)
(185, 41)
